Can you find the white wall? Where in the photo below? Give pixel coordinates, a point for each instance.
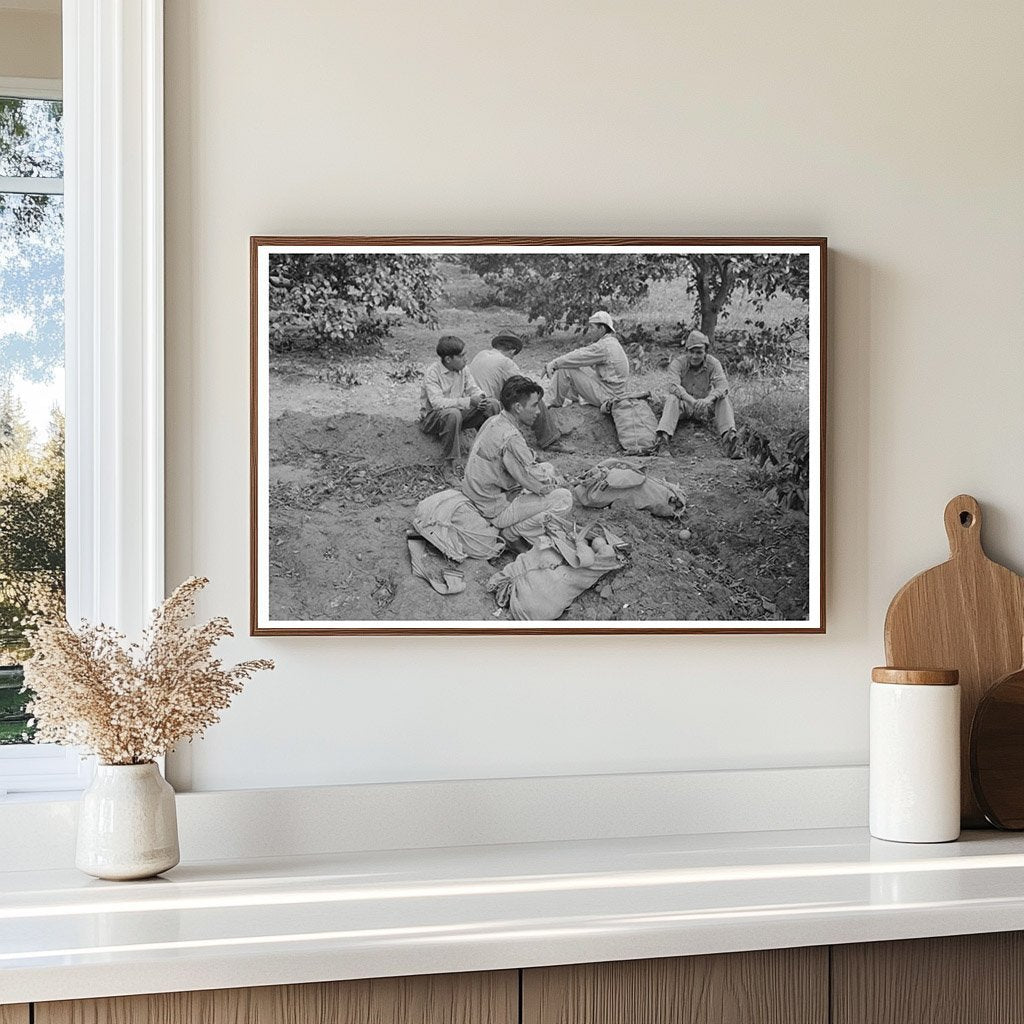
(895, 129)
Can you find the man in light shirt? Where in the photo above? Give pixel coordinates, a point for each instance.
(510, 488)
(450, 402)
(491, 367)
(595, 373)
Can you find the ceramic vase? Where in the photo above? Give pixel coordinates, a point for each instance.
(127, 825)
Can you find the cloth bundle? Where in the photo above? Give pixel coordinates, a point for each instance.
(619, 483)
(542, 582)
(450, 521)
(635, 424)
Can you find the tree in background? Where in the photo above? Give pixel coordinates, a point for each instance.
(32, 546)
(31, 349)
(716, 277)
(348, 300)
(31, 242)
(562, 290)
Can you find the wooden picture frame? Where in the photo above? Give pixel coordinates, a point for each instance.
(306, 562)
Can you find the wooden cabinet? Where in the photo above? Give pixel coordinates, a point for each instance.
(962, 979)
(491, 998)
(967, 979)
(777, 986)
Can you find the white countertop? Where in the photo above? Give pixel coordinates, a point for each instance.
(225, 924)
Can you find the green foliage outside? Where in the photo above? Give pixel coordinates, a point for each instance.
(343, 303)
(31, 348)
(14, 726)
(32, 546)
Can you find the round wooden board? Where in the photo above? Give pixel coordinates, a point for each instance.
(997, 752)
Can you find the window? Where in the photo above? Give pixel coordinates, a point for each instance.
(113, 330)
(32, 530)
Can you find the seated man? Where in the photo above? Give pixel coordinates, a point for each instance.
(491, 367)
(503, 478)
(450, 401)
(595, 373)
(699, 390)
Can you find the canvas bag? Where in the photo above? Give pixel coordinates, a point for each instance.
(451, 522)
(542, 582)
(620, 483)
(635, 424)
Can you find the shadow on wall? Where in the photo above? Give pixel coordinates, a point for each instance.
(853, 287)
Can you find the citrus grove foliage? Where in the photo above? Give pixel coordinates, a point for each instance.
(348, 301)
(562, 290)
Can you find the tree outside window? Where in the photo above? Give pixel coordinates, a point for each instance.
(32, 541)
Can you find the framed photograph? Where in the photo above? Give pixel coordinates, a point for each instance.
(537, 435)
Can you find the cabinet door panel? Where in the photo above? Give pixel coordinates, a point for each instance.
(778, 986)
(14, 1014)
(959, 979)
(482, 998)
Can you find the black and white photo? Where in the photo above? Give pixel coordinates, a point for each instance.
(523, 435)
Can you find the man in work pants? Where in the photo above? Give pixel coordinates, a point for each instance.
(595, 373)
(450, 402)
(700, 390)
(503, 479)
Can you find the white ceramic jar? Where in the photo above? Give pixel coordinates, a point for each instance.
(127, 823)
(915, 755)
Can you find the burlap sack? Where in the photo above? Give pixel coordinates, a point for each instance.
(618, 483)
(450, 521)
(542, 582)
(635, 424)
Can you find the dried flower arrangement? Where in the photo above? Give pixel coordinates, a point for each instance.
(130, 703)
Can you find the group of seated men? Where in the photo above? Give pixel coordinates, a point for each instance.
(502, 477)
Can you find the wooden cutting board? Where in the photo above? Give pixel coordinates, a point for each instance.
(967, 614)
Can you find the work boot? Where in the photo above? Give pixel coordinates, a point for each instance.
(450, 473)
(731, 445)
(660, 444)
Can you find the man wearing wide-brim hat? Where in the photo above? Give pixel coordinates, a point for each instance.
(699, 391)
(491, 367)
(595, 373)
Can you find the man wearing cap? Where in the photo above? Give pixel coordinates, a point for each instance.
(595, 373)
(491, 367)
(699, 390)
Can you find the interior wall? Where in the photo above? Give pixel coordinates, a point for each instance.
(30, 43)
(894, 129)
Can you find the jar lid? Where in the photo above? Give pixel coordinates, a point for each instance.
(916, 676)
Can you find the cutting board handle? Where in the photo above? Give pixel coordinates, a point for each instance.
(963, 526)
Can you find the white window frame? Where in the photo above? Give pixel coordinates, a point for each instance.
(114, 347)
(37, 767)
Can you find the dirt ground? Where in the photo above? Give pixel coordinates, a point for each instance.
(348, 465)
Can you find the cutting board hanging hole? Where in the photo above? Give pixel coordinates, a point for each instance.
(963, 526)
